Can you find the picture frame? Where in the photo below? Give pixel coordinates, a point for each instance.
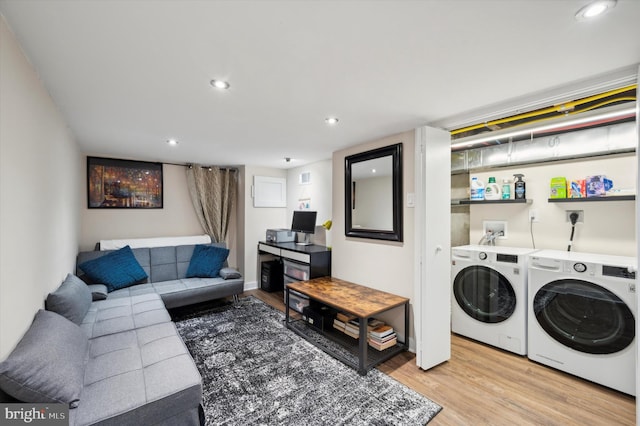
(123, 184)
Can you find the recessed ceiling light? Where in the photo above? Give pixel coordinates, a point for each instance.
(220, 84)
(172, 142)
(594, 9)
(331, 120)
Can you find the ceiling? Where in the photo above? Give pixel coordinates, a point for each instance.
(129, 75)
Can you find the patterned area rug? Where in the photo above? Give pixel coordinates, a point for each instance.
(257, 372)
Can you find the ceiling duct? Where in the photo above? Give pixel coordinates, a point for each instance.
(605, 140)
(566, 123)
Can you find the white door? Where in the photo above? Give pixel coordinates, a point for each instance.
(637, 241)
(432, 298)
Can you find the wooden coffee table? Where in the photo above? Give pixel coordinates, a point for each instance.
(359, 301)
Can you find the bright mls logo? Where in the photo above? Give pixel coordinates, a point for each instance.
(36, 414)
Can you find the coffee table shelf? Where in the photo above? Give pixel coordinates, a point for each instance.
(354, 299)
(350, 345)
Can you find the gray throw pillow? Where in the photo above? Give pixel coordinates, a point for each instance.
(71, 300)
(229, 273)
(47, 364)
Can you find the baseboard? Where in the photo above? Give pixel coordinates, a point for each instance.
(412, 345)
(251, 285)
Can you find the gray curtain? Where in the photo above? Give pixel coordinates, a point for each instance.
(213, 192)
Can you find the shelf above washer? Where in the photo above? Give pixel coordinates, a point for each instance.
(588, 199)
(473, 202)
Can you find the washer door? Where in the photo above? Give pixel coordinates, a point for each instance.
(584, 316)
(484, 294)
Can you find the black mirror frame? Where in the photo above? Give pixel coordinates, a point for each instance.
(395, 151)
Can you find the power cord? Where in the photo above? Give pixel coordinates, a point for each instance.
(533, 243)
(573, 217)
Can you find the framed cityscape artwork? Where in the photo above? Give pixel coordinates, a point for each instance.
(123, 184)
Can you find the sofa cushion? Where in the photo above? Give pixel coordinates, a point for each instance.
(141, 376)
(119, 314)
(71, 300)
(117, 269)
(47, 365)
(206, 261)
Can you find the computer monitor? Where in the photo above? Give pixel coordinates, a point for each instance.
(304, 222)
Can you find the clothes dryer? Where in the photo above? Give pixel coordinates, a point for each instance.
(489, 289)
(582, 315)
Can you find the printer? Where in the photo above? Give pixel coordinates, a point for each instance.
(280, 235)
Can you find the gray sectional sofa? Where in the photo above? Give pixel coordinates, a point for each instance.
(167, 268)
(116, 358)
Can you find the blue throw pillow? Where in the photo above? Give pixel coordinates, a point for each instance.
(206, 261)
(118, 269)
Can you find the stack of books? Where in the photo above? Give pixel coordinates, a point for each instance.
(341, 320)
(382, 337)
(352, 328)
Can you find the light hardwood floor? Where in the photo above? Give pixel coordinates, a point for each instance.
(482, 385)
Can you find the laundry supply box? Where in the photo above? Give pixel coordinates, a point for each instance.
(558, 187)
(595, 186)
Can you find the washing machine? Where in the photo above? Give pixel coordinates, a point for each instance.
(489, 289)
(582, 315)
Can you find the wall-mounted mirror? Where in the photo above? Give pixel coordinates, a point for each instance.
(373, 194)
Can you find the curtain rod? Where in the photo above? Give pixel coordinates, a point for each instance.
(189, 165)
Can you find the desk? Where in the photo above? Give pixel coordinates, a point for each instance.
(316, 258)
(362, 302)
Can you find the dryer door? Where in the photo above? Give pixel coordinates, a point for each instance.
(584, 316)
(484, 294)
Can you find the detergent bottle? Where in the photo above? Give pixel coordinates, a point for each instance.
(506, 189)
(477, 189)
(492, 191)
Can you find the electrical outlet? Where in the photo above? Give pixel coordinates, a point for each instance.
(533, 215)
(580, 215)
(495, 227)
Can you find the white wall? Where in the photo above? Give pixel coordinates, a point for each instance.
(39, 193)
(386, 266)
(459, 212)
(317, 193)
(609, 227)
(176, 218)
(257, 220)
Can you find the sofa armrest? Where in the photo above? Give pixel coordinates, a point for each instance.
(230, 273)
(98, 291)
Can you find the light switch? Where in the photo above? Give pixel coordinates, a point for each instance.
(411, 199)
